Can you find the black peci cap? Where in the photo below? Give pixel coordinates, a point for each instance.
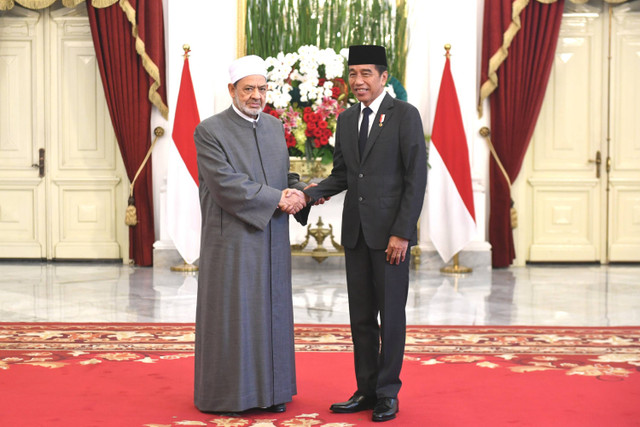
(367, 54)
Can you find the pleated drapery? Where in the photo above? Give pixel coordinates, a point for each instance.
(519, 43)
(120, 34)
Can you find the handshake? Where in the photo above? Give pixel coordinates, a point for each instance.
(292, 200)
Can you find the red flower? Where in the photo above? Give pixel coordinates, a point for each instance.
(291, 140)
(323, 124)
(312, 118)
(335, 92)
(308, 110)
(317, 132)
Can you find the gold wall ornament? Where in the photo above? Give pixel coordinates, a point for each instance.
(320, 253)
(309, 169)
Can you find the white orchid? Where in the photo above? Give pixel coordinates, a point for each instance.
(302, 70)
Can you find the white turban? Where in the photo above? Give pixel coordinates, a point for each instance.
(247, 66)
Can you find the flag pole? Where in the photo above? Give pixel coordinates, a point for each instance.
(185, 267)
(456, 268)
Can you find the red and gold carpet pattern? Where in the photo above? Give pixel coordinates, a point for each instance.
(141, 375)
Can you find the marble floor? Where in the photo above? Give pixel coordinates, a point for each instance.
(540, 295)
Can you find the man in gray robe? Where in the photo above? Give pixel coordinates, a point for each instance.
(244, 348)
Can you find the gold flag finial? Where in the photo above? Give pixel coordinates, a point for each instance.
(447, 47)
(187, 49)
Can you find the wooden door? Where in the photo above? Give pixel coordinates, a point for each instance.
(75, 210)
(623, 162)
(581, 185)
(23, 232)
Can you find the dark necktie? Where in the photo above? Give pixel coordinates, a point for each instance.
(364, 130)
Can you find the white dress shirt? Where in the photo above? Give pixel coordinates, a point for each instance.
(375, 105)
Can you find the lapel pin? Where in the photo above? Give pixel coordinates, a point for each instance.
(381, 120)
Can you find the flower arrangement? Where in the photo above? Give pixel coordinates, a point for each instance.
(307, 92)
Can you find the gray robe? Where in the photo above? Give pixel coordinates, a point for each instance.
(244, 349)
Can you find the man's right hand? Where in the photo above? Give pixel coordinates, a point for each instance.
(291, 201)
(307, 198)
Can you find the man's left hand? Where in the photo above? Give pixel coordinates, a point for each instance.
(396, 250)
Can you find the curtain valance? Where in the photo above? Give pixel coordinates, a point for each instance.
(41, 4)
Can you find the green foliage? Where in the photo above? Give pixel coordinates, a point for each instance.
(274, 26)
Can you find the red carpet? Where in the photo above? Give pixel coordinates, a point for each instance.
(141, 375)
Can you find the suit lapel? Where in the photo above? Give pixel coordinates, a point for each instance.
(386, 108)
(351, 117)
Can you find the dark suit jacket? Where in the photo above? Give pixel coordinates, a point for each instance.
(385, 189)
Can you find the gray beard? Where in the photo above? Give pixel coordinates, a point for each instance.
(251, 112)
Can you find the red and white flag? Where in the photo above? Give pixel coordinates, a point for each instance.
(452, 222)
(183, 200)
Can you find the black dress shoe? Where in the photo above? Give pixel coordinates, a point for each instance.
(281, 407)
(386, 409)
(358, 402)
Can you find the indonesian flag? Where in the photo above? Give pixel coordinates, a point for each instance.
(183, 200)
(452, 222)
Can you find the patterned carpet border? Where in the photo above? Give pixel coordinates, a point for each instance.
(531, 357)
(145, 337)
(486, 340)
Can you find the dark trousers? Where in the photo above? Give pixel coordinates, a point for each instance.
(375, 286)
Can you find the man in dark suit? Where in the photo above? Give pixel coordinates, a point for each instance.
(380, 159)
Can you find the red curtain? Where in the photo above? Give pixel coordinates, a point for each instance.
(516, 102)
(128, 87)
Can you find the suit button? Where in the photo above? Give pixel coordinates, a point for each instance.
(360, 175)
(360, 198)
